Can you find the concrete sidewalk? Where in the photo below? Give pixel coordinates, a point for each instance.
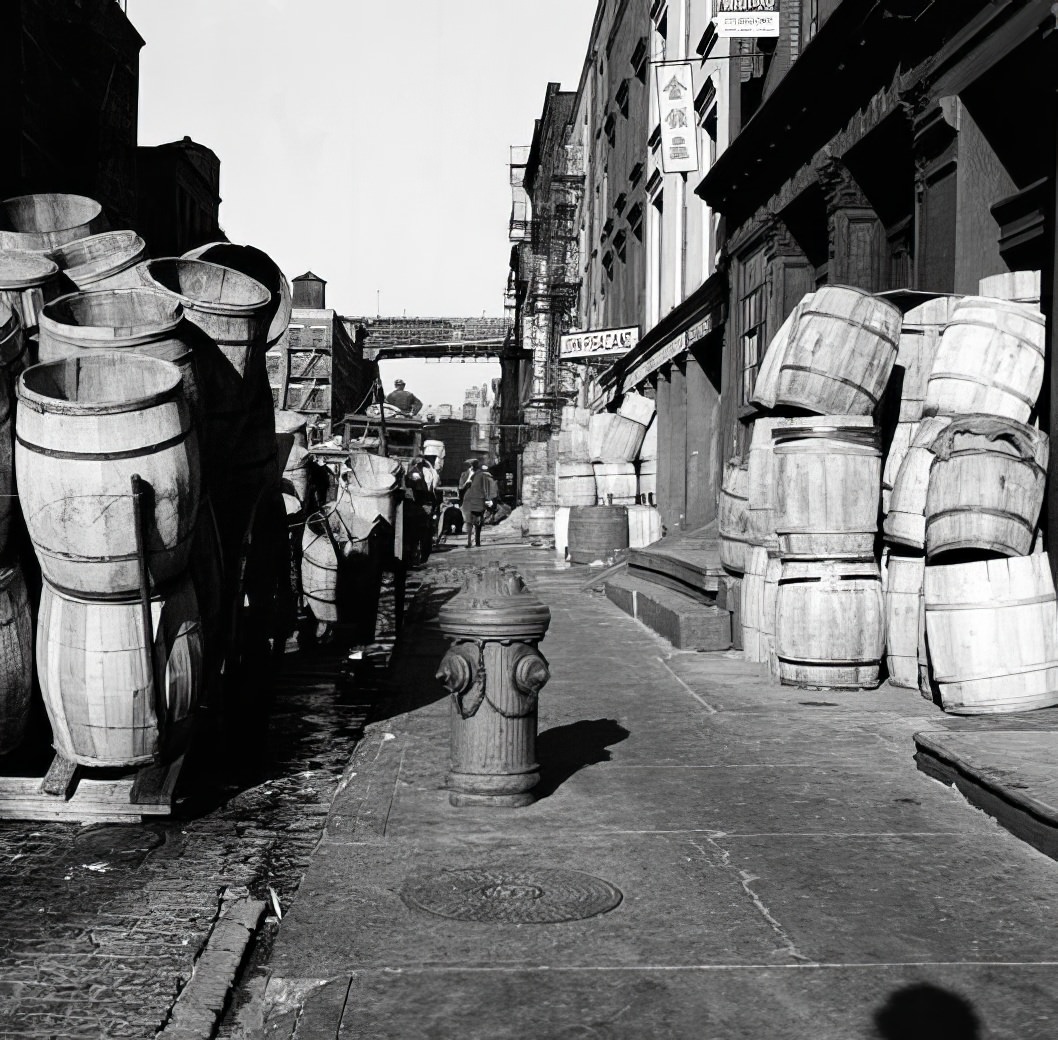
(786, 871)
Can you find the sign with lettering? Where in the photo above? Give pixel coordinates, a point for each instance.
(604, 343)
(679, 131)
(746, 17)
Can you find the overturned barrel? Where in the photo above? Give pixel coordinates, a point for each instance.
(104, 261)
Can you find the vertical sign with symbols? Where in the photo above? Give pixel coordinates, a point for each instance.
(679, 132)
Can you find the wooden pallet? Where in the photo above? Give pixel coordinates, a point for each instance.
(73, 793)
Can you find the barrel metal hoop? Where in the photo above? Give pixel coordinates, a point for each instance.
(847, 320)
(858, 387)
(1001, 513)
(93, 456)
(959, 377)
(1006, 673)
(1028, 601)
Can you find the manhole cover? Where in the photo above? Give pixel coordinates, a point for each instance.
(511, 894)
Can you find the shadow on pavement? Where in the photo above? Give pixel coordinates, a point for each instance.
(926, 1012)
(565, 750)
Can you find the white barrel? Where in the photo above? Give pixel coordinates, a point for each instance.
(830, 623)
(562, 530)
(644, 526)
(104, 261)
(903, 435)
(766, 384)
(636, 407)
(733, 519)
(992, 631)
(27, 282)
(615, 484)
(905, 523)
(1019, 286)
(613, 438)
(903, 609)
(575, 484)
(827, 479)
(919, 338)
(990, 360)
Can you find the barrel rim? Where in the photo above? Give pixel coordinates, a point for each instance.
(67, 330)
(221, 307)
(93, 209)
(43, 403)
(47, 269)
(92, 270)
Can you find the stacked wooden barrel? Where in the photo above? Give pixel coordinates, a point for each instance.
(799, 515)
(107, 461)
(962, 520)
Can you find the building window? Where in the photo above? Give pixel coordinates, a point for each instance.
(621, 98)
(607, 263)
(619, 245)
(809, 20)
(635, 221)
(751, 323)
(639, 60)
(610, 129)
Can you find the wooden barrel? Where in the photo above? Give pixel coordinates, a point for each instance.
(648, 450)
(827, 480)
(905, 522)
(8, 497)
(16, 657)
(1019, 286)
(12, 346)
(540, 523)
(258, 265)
(98, 682)
(986, 486)
(766, 385)
(989, 361)
(142, 321)
(926, 685)
(597, 532)
(638, 408)
(574, 445)
(903, 435)
(291, 432)
(992, 629)
(733, 521)
(230, 307)
(319, 569)
(27, 282)
(575, 484)
(840, 352)
(84, 426)
(754, 646)
(919, 338)
(644, 526)
(616, 483)
(573, 417)
(562, 530)
(830, 623)
(772, 573)
(39, 223)
(648, 479)
(613, 438)
(104, 261)
(903, 594)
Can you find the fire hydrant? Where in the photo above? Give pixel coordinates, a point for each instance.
(494, 672)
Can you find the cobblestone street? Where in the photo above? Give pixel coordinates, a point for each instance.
(103, 924)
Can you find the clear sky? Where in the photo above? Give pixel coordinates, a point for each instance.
(367, 141)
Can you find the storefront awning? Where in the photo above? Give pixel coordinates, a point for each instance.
(701, 314)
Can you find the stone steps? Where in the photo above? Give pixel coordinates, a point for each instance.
(683, 620)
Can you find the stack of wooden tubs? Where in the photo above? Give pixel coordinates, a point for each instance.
(971, 607)
(602, 507)
(140, 409)
(800, 515)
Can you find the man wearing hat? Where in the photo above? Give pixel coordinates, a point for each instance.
(403, 399)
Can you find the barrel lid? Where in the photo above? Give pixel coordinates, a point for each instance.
(113, 314)
(867, 437)
(20, 269)
(1030, 311)
(204, 286)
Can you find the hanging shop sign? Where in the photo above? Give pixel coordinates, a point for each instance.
(604, 343)
(679, 130)
(746, 17)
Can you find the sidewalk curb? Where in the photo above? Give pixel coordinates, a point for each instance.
(196, 1013)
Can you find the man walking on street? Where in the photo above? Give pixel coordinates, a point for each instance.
(475, 499)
